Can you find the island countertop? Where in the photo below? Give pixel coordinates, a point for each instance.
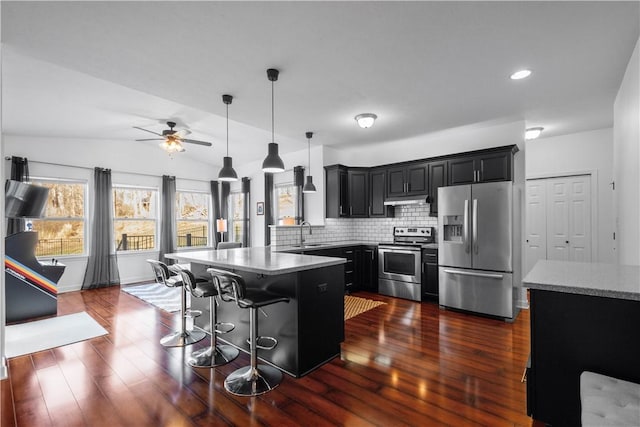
(257, 260)
(597, 279)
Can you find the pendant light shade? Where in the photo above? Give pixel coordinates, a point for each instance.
(227, 173)
(308, 186)
(272, 163)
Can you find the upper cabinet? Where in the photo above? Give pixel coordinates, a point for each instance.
(407, 180)
(377, 187)
(336, 191)
(361, 192)
(437, 173)
(485, 167)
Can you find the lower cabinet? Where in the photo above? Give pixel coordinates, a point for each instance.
(361, 268)
(430, 276)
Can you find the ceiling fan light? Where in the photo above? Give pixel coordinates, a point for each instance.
(532, 133)
(227, 173)
(365, 120)
(308, 186)
(273, 163)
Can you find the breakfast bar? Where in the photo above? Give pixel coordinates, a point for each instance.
(309, 328)
(584, 317)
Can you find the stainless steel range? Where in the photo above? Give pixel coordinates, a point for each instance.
(400, 262)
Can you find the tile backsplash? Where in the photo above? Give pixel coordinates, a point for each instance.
(358, 229)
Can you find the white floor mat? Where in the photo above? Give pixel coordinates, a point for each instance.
(31, 337)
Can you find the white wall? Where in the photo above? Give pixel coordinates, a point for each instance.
(131, 163)
(626, 160)
(576, 154)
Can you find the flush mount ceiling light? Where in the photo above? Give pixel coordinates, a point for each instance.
(520, 74)
(365, 120)
(227, 173)
(532, 133)
(308, 186)
(272, 163)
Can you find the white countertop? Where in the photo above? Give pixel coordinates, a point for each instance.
(597, 279)
(257, 260)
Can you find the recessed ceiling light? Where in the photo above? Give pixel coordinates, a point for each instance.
(521, 74)
(532, 133)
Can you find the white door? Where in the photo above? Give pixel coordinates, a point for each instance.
(558, 216)
(536, 226)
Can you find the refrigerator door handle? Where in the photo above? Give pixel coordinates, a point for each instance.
(465, 226)
(474, 225)
(475, 274)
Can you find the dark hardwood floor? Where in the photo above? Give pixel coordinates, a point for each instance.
(403, 363)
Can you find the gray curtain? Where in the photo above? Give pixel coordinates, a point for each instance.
(246, 188)
(19, 172)
(215, 201)
(102, 265)
(225, 189)
(268, 207)
(298, 181)
(168, 218)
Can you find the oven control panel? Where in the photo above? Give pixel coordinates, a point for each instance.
(419, 232)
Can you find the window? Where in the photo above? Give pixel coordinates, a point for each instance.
(286, 203)
(62, 231)
(135, 213)
(237, 216)
(192, 211)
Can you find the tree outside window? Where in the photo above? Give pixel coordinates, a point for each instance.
(237, 217)
(192, 211)
(62, 230)
(135, 218)
(286, 202)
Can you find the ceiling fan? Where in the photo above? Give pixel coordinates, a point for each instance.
(172, 139)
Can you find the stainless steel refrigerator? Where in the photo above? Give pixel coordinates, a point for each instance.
(475, 248)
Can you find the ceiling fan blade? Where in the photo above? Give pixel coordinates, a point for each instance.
(151, 139)
(195, 141)
(183, 132)
(147, 130)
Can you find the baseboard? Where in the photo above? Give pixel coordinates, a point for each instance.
(3, 369)
(127, 281)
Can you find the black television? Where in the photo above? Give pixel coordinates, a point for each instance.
(24, 200)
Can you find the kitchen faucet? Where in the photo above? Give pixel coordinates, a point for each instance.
(302, 224)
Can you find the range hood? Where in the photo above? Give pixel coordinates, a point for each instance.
(397, 201)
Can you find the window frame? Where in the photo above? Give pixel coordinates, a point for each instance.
(85, 218)
(231, 210)
(209, 221)
(156, 218)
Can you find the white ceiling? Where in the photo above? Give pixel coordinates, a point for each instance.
(95, 69)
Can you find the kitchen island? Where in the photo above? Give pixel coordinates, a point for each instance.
(309, 328)
(584, 317)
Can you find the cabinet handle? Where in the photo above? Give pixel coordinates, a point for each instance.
(350, 210)
(369, 210)
(341, 213)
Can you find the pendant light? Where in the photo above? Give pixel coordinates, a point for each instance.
(308, 186)
(272, 163)
(227, 173)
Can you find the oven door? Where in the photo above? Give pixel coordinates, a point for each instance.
(399, 263)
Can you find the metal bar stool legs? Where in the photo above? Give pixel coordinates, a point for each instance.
(214, 355)
(182, 337)
(254, 379)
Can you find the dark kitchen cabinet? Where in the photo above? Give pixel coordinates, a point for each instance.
(437, 178)
(377, 184)
(358, 192)
(369, 271)
(336, 191)
(353, 268)
(407, 180)
(430, 280)
(486, 167)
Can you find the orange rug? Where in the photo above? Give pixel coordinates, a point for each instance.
(356, 305)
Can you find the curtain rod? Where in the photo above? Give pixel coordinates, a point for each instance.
(115, 171)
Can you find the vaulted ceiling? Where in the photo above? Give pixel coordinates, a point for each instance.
(96, 69)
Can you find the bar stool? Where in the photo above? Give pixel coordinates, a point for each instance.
(214, 355)
(182, 337)
(254, 379)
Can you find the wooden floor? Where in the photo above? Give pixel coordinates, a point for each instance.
(403, 363)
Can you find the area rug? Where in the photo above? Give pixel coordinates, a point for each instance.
(31, 337)
(356, 305)
(163, 297)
